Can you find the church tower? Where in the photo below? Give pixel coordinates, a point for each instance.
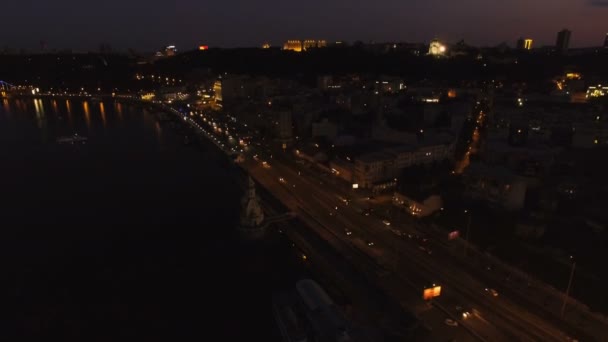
(252, 215)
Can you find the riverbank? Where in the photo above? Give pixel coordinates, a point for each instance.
(129, 235)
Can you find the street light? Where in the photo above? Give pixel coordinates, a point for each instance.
(466, 244)
(569, 285)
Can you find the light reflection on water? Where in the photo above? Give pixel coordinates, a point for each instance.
(41, 118)
(129, 155)
(103, 201)
(77, 116)
(39, 106)
(119, 109)
(102, 110)
(68, 108)
(87, 113)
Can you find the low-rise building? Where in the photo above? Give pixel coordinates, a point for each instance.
(293, 45)
(379, 168)
(343, 169)
(418, 205)
(324, 128)
(496, 185)
(373, 170)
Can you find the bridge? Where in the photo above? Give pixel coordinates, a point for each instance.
(5, 86)
(279, 218)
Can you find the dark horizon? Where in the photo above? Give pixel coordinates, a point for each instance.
(149, 25)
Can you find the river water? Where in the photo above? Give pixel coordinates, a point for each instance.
(128, 236)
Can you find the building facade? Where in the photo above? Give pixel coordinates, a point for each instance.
(381, 168)
(419, 208)
(563, 40)
(285, 127)
(524, 44)
(293, 45)
(495, 185)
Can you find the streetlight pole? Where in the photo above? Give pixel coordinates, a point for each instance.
(466, 244)
(569, 286)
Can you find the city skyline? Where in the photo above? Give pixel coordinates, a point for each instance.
(146, 25)
(335, 170)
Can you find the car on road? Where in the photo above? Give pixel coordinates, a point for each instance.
(451, 322)
(463, 312)
(386, 222)
(348, 232)
(282, 180)
(425, 250)
(493, 292)
(344, 200)
(370, 243)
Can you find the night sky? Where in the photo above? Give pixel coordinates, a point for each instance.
(149, 24)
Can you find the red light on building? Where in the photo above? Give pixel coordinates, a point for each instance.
(203, 47)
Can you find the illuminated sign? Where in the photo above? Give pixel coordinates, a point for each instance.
(453, 235)
(355, 186)
(203, 47)
(431, 292)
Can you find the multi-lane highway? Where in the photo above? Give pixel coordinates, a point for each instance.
(352, 249)
(397, 255)
(402, 259)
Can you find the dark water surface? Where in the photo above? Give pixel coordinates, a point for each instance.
(128, 236)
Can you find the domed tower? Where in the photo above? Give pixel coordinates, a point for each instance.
(252, 215)
(436, 48)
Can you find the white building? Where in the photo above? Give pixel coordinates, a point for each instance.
(380, 169)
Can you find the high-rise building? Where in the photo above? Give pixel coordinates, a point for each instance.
(217, 90)
(606, 41)
(563, 40)
(285, 127)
